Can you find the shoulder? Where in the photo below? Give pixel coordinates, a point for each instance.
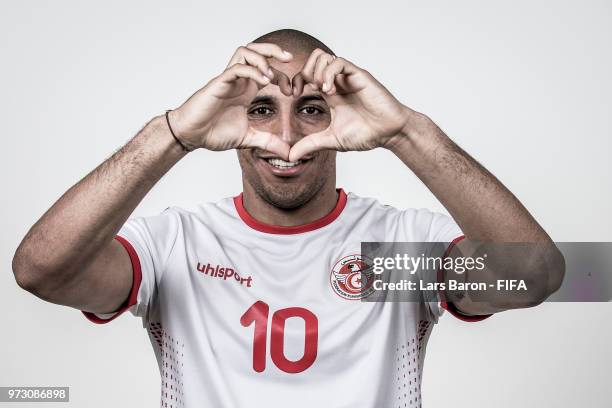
(418, 224)
(372, 206)
(213, 216)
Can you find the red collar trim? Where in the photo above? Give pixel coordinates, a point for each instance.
(297, 229)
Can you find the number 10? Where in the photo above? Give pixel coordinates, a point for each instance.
(258, 313)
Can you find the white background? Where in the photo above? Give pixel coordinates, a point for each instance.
(523, 87)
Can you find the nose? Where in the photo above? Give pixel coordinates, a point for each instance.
(289, 129)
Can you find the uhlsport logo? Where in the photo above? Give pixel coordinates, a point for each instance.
(352, 277)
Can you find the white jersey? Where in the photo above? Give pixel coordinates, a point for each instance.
(244, 314)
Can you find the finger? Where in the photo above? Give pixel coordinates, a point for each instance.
(312, 143)
(339, 66)
(250, 57)
(271, 51)
(264, 50)
(308, 68)
(245, 71)
(282, 81)
(297, 84)
(237, 57)
(322, 62)
(266, 141)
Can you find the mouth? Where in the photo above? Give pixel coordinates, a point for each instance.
(281, 164)
(282, 168)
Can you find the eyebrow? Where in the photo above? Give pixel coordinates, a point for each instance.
(272, 99)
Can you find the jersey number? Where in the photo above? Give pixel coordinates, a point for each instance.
(258, 313)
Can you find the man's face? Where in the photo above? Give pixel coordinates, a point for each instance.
(288, 185)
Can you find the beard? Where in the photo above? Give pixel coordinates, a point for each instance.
(290, 193)
(287, 196)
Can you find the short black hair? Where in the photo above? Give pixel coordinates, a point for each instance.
(294, 41)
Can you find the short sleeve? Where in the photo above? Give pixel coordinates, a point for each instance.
(444, 229)
(427, 226)
(149, 242)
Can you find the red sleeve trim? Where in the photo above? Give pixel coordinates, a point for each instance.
(449, 306)
(298, 229)
(136, 281)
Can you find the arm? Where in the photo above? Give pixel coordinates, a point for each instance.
(486, 211)
(70, 257)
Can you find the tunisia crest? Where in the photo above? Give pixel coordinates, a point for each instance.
(352, 277)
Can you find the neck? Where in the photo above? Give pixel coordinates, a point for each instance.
(318, 207)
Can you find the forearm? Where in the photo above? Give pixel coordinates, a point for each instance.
(89, 214)
(482, 206)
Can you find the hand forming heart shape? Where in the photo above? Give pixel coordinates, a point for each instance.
(364, 114)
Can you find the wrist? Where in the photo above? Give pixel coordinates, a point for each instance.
(412, 121)
(417, 132)
(175, 126)
(159, 134)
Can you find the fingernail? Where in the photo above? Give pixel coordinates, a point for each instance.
(287, 53)
(270, 72)
(266, 79)
(325, 87)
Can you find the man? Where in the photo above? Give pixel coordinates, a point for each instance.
(241, 298)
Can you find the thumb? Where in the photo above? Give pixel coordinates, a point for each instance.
(312, 143)
(266, 141)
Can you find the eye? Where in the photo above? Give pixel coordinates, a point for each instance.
(261, 111)
(311, 110)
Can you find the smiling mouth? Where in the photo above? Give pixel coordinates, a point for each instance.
(282, 168)
(281, 164)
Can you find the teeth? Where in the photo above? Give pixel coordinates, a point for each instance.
(281, 164)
